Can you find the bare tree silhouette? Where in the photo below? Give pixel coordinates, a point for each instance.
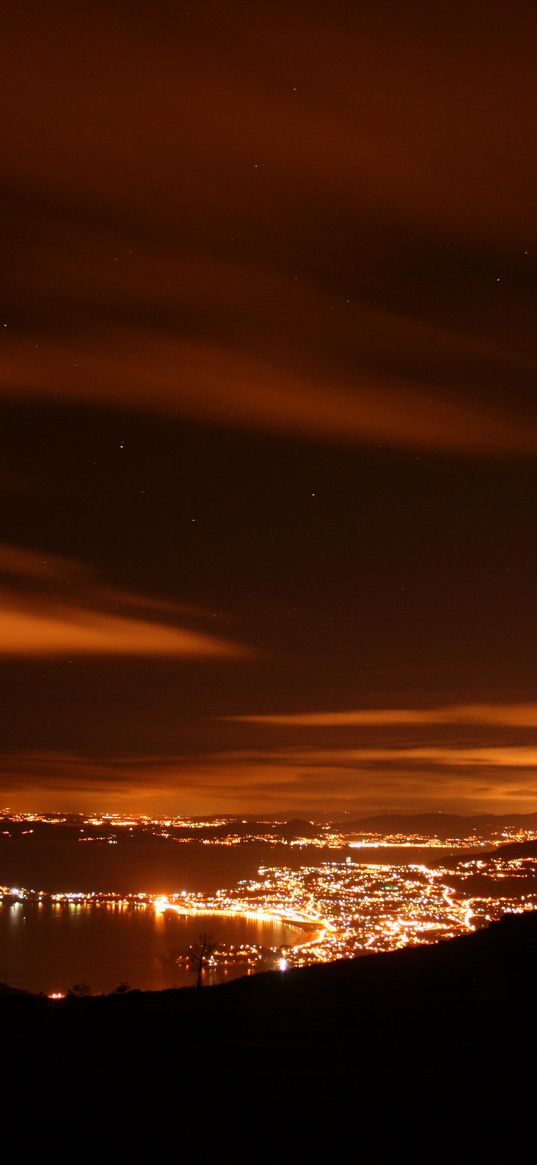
(199, 955)
(80, 989)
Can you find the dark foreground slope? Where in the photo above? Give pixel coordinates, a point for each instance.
(434, 1030)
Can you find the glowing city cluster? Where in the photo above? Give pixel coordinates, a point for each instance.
(341, 906)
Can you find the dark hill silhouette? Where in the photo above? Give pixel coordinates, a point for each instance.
(438, 824)
(431, 1031)
(6, 990)
(515, 849)
(512, 885)
(297, 827)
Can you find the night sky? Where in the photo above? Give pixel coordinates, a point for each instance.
(268, 421)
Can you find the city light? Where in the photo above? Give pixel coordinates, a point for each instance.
(334, 906)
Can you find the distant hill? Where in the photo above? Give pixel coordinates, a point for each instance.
(513, 849)
(441, 825)
(9, 992)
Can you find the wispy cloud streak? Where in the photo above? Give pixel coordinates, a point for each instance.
(522, 715)
(65, 609)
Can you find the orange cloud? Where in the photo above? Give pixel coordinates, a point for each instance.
(500, 715)
(512, 756)
(460, 780)
(170, 374)
(369, 115)
(41, 624)
(72, 630)
(308, 197)
(27, 563)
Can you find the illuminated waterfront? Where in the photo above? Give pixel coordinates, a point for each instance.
(51, 945)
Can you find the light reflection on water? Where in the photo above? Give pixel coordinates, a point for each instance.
(49, 946)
